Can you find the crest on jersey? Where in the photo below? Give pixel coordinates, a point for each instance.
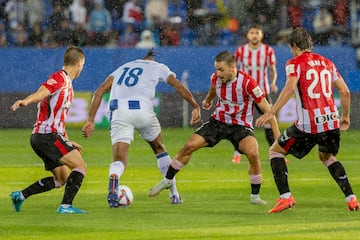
(257, 91)
(51, 81)
(290, 69)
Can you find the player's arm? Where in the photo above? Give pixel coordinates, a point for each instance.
(89, 126)
(185, 93)
(344, 92)
(209, 98)
(273, 77)
(37, 96)
(284, 96)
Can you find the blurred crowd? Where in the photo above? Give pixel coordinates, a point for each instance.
(151, 23)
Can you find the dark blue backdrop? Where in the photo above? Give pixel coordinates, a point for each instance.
(23, 69)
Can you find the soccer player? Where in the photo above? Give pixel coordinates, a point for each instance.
(49, 139)
(132, 89)
(258, 60)
(232, 119)
(311, 77)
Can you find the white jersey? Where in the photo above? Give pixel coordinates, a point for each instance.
(131, 99)
(137, 80)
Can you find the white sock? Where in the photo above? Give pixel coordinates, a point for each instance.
(116, 168)
(163, 160)
(253, 196)
(350, 196)
(285, 195)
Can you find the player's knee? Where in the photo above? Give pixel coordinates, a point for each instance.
(274, 154)
(82, 169)
(188, 148)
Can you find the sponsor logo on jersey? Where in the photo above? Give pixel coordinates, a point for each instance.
(326, 118)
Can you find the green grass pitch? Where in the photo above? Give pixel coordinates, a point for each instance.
(215, 192)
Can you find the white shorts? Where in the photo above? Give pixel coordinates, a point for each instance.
(123, 121)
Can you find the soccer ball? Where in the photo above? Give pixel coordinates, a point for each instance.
(125, 196)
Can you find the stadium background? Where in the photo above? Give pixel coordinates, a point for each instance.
(202, 27)
(23, 69)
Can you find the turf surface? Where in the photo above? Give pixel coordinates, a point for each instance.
(215, 192)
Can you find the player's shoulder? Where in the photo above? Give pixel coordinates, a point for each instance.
(58, 76)
(58, 73)
(242, 47)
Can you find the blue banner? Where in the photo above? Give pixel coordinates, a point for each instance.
(24, 69)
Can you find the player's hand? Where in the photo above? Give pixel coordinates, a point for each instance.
(195, 116)
(18, 104)
(77, 146)
(344, 123)
(263, 119)
(88, 129)
(206, 105)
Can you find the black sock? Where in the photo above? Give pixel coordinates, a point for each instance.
(72, 186)
(280, 172)
(255, 188)
(337, 171)
(171, 172)
(269, 136)
(43, 185)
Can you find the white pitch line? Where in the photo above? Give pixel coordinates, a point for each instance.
(194, 181)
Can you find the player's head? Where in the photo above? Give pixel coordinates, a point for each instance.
(74, 57)
(150, 55)
(300, 39)
(255, 34)
(225, 65)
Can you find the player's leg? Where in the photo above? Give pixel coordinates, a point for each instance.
(75, 162)
(280, 173)
(249, 146)
(338, 173)
(178, 162)
(116, 170)
(40, 186)
(163, 162)
(122, 134)
(328, 147)
(292, 141)
(43, 145)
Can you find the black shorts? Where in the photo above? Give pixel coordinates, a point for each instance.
(50, 148)
(299, 144)
(213, 131)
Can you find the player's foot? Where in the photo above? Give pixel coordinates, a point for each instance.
(176, 199)
(282, 204)
(353, 204)
(113, 196)
(256, 199)
(236, 159)
(163, 184)
(69, 210)
(17, 199)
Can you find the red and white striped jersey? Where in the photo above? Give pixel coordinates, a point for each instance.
(255, 62)
(52, 110)
(315, 104)
(236, 99)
